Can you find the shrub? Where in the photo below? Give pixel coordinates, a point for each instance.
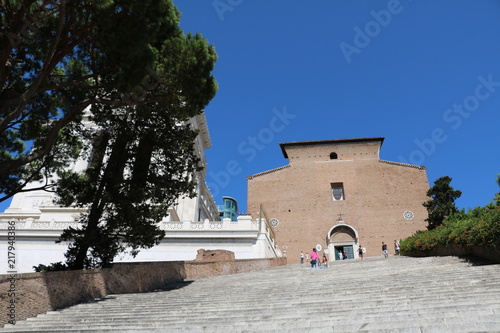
(478, 227)
(57, 266)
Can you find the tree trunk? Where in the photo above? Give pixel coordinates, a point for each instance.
(109, 184)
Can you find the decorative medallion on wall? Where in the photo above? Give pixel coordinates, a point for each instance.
(408, 215)
(274, 222)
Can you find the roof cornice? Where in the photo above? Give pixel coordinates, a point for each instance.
(284, 145)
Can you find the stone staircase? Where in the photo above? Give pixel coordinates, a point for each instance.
(399, 294)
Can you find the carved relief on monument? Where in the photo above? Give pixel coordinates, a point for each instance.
(172, 225)
(64, 225)
(40, 225)
(19, 225)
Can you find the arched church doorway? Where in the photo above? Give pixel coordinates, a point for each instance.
(342, 242)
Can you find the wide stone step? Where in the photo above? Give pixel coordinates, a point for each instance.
(445, 325)
(444, 288)
(338, 304)
(287, 321)
(375, 295)
(464, 306)
(379, 314)
(371, 307)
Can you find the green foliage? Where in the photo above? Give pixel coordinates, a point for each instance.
(442, 202)
(58, 266)
(128, 191)
(496, 199)
(130, 63)
(141, 157)
(478, 227)
(58, 58)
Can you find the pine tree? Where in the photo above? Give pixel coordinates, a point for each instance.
(129, 66)
(442, 202)
(142, 159)
(58, 58)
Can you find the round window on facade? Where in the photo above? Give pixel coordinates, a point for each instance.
(274, 222)
(408, 215)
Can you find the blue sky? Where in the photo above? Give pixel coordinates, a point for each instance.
(423, 74)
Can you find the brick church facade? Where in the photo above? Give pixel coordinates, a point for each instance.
(338, 194)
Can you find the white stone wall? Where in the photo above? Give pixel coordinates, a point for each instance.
(35, 241)
(39, 223)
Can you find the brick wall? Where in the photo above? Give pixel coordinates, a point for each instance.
(37, 293)
(376, 194)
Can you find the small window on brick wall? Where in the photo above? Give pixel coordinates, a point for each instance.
(338, 191)
(333, 156)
